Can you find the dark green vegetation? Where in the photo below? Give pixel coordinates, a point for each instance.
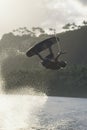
(20, 71)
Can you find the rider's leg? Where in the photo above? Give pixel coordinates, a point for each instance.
(51, 53)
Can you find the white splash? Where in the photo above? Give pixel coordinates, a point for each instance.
(17, 111)
(1, 80)
(1, 85)
(18, 52)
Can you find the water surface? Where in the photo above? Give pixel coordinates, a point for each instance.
(24, 112)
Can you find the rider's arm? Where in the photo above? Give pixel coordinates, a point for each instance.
(59, 54)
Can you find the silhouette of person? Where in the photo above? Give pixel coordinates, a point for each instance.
(51, 62)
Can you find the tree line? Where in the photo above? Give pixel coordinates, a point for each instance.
(39, 30)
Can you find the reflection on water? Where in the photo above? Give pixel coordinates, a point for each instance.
(20, 112)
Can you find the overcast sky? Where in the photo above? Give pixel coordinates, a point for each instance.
(42, 13)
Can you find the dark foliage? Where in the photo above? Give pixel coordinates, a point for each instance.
(20, 71)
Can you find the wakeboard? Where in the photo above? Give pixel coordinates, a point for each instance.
(41, 46)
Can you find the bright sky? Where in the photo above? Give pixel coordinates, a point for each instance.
(42, 13)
